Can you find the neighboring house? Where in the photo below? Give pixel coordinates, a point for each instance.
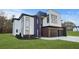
(39, 25)
(76, 28)
(69, 25)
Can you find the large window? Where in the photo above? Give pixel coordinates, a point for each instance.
(27, 25)
(54, 18)
(27, 20)
(48, 19)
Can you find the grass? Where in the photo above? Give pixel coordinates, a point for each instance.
(7, 41)
(72, 33)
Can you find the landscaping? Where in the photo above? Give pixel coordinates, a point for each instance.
(73, 33)
(7, 41)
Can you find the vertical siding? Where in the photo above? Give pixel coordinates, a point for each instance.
(39, 26)
(16, 26)
(31, 25)
(28, 25)
(58, 21)
(45, 22)
(22, 26)
(13, 31)
(35, 26)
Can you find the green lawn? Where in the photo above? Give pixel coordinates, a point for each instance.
(72, 33)
(10, 42)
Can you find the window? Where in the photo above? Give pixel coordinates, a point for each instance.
(37, 21)
(16, 30)
(27, 23)
(48, 19)
(54, 18)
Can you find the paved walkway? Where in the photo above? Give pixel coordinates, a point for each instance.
(68, 38)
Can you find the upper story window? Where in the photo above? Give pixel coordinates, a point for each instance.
(37, 21)
(27, 21)
(54, 18)
(48, 19)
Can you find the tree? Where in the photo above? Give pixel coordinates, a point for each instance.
(5, 24)
(7, 27)
(69, 25)
(2, 20)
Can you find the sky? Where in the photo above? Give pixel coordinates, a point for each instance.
(66, 14)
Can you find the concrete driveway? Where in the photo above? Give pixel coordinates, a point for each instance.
(67, 38)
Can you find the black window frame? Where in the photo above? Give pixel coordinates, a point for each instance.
(48, 19)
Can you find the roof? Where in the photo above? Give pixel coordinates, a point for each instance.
(53, 27)
(25, 15)
(39, 13)
(15, 19)
(22, 16)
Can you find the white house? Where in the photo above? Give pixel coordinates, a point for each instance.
(54, 19)
(42, 24)
(27, 25)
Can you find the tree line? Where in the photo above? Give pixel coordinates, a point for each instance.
(5, 24)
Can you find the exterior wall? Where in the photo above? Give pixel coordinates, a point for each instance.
(37, 27)
(45, 22)
(22, 26)
(53, 32)
(16, 27)
(31, 25)
(55, 22)
(27, 25)
(44, 32)
(52, 22)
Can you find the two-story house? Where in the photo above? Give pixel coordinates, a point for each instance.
(39, 25)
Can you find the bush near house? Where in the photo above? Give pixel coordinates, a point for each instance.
(7, 41)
